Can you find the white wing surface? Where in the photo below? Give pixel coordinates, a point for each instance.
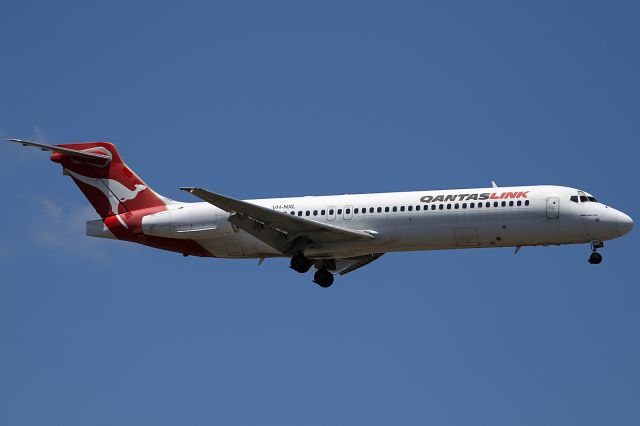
(286, 233)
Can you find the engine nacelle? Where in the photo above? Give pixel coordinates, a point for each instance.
(193, 222)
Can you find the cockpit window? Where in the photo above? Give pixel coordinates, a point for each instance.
(584, 198)
(574, 198)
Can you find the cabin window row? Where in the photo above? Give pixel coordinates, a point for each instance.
(425, 207)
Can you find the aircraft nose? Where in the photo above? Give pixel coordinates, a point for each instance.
(625, 223)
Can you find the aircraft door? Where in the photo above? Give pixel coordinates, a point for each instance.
(331, 213)
(553, 208)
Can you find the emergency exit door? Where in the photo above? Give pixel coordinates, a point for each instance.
(331, 213)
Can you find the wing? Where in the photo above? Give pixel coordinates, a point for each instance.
(286, 233)
(346, 265)
(61, 150)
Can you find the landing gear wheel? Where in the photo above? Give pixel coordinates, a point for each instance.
(300, 263)
(595, 258)
(323, 278)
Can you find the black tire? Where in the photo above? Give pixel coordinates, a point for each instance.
(300, 263)
(595, 258)
(323, 278)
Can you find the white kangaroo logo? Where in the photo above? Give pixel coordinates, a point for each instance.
(113, 190)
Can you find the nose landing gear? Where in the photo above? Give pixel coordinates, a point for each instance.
(595, 257)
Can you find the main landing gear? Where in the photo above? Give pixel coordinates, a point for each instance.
(595, 257)
(300, 263)
(323, 277)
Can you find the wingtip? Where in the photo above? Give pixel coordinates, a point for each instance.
(23, 142)
(20, 141)
(189, 189)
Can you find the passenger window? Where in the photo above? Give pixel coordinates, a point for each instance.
(495, 204)
(519, 203)
(307, 213)
(457, 206)
(370, 209)
(347, 211)
(386, 209)
(410, 208)
(472, 205)
(339, 211)
(526, 203)
(331, 212)
(510, 203)
(401, 208)
(379, 209)
(433, 206)
(479, 205)
(504, 203)
(355, 211)
(322, 212)
(464, 205)
(315, 212)
(441, 206)
(395, 209)
(293, 213)
(300, 213)
(448, 206)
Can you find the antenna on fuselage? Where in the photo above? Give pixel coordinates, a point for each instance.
(493, 183)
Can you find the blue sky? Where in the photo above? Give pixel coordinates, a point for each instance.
(260, 99)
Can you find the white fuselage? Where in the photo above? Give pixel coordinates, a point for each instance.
(408, 221)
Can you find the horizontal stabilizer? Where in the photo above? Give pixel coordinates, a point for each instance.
(61, 150)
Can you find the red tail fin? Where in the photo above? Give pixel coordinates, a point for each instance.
(109, 184)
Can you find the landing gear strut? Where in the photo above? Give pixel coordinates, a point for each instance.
(595, 257)
(323, 278)
(300, 263)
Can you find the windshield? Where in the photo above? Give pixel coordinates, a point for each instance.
(583, 197)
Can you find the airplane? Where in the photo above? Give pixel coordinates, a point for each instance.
(335, 234)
